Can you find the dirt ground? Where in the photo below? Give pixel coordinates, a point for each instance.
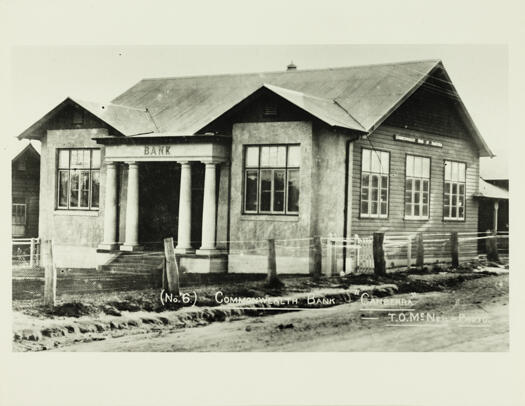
(469, 316)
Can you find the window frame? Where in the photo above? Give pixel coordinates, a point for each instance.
(377, 216)
(90, 207)
(24, 205)
(454, 219)
(420, 217)
(273, 169)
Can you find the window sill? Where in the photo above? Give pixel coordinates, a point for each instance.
(453, 220)
(270, 217)
(416, 218)
(88, 213)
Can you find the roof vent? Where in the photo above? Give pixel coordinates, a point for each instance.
(291, 66)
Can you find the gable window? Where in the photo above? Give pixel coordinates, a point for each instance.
(454, 193)
(78, 117)
(78, 179)
(417, 187)
(271, 179)
(375, 169)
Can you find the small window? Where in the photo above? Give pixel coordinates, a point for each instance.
(270, 110)
(417, 187)
(78, 179)
(271, 179)
(78, 116)
(375, 169)
(454, 193)
(19, 214)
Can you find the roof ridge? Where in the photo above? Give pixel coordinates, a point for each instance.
(298, 71)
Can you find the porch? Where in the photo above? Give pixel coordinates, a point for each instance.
(158, 187)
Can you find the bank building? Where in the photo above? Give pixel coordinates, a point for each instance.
(217, 160)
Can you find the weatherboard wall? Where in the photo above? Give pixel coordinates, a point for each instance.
(457, 149)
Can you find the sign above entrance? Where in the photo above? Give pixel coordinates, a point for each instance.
(198, 151)
(157, 150)
(420, 141)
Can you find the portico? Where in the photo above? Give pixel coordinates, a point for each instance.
(131, 155)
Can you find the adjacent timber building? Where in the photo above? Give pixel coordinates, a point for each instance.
(214, 160)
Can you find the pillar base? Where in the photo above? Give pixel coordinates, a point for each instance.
(184, 250)
(209, 251)
(108, 246)
(131, 248)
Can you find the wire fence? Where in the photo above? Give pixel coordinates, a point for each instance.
(336, 256)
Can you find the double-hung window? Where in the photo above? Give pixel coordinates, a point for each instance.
(417, 187)
(271, 179)
(454, 193)
(375, 169)
(78, 179)
(19, 217)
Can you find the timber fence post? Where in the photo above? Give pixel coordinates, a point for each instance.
(50, 275)
(271, 278)
(492, 247)
(454, 248)
(409, 252)
(420, 253)
(379, 254)
(333, 258)
(172, 269)
(32, 253)
(316, 258)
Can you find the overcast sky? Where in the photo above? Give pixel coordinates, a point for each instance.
(41, 77)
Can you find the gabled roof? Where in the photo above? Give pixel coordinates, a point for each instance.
(490, 191)
(188, 104)
(124, 119)
(25, 148)
(357, 98)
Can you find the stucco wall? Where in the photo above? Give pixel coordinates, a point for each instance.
(244, 227)
(75, 234)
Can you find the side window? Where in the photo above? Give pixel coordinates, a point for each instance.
(454, 191)
(417, 187)
(78, 179)
(375, 170)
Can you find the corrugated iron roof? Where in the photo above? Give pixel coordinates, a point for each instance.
(188, 104)
(357, 98)
(491, 191)
(125, 119)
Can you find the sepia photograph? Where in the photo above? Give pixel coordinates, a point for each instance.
(265, 198)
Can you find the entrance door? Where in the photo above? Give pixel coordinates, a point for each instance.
(159, 185)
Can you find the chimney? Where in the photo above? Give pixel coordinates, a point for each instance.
(292, 66)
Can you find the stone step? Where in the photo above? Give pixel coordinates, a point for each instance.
(135, 266)
(138, 261)
(131, 269)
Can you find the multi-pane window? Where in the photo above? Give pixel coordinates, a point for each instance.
(454, 190)
(417, 187)
(271, 179)
(19, 214)
(375, 169)
(78, 179)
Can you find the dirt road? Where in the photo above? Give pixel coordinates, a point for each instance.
(474, 317)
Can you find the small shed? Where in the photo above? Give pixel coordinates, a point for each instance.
(25, 184)
(493, 206)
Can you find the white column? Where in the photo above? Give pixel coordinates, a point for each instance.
(110, 209)
(184, 226)
(132, 210)
(209, 210)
